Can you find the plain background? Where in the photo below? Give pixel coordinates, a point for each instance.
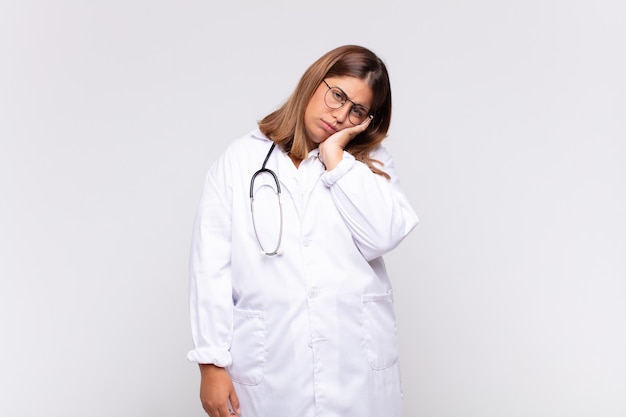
(509, 135)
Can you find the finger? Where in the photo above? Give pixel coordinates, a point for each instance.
(362, 127)
(234, 402)
(225, 412)
(367, 122)
(218, 411)
(222, 411)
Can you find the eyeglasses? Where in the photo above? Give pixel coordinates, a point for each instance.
(336, 98)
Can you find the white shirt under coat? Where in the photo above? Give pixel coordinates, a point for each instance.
(310, 332)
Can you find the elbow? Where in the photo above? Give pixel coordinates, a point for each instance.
(386, 239)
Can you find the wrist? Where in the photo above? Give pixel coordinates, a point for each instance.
(331, 157)
(208, 368)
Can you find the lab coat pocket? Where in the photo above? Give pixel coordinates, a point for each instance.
(379, 330)
(248, 347)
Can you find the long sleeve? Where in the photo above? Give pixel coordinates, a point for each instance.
(211, 306)
(374, 208)
(313, 326)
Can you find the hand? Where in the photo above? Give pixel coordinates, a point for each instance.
(216, 391)
(331, 150)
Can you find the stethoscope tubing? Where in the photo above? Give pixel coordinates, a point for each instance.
(263, 169)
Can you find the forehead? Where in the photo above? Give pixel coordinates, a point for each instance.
(356, 89)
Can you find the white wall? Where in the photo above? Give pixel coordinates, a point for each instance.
(509, 136)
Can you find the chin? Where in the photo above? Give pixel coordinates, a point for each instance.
(322, 138)
(319, 139)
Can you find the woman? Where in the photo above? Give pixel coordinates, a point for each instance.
(291, 306)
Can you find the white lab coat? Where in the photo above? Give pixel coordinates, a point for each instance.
(309, 332)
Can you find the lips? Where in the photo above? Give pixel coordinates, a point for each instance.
(327, 126)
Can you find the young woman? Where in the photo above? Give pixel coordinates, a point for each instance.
(291, 306)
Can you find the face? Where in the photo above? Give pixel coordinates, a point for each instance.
(321, 121)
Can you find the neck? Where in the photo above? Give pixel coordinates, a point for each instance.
(296, 161)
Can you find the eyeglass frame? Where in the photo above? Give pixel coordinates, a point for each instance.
(368, 112)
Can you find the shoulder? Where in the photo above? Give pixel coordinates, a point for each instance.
(247, 144)
(243, 151)
(240, 157)
(380, 153)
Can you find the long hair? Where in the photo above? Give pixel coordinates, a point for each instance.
(285, 126)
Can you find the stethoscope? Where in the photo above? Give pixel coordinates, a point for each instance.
(276, 251)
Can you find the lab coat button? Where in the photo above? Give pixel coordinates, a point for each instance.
(313, 292)
(307, 242)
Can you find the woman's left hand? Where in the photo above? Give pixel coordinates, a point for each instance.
(331, 150)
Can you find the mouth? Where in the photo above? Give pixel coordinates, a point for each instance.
(329, 127)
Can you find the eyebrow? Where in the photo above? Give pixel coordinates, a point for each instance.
(345, 94)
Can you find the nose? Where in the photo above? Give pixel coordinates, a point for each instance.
(341, 114)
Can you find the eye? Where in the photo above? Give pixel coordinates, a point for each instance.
(359, 111)
(338, 95)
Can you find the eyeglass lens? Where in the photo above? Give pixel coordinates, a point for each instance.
(335, 98)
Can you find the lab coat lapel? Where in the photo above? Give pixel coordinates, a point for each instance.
(299, 190)
(286, 171)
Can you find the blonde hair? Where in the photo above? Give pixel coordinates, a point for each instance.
(285, 126)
